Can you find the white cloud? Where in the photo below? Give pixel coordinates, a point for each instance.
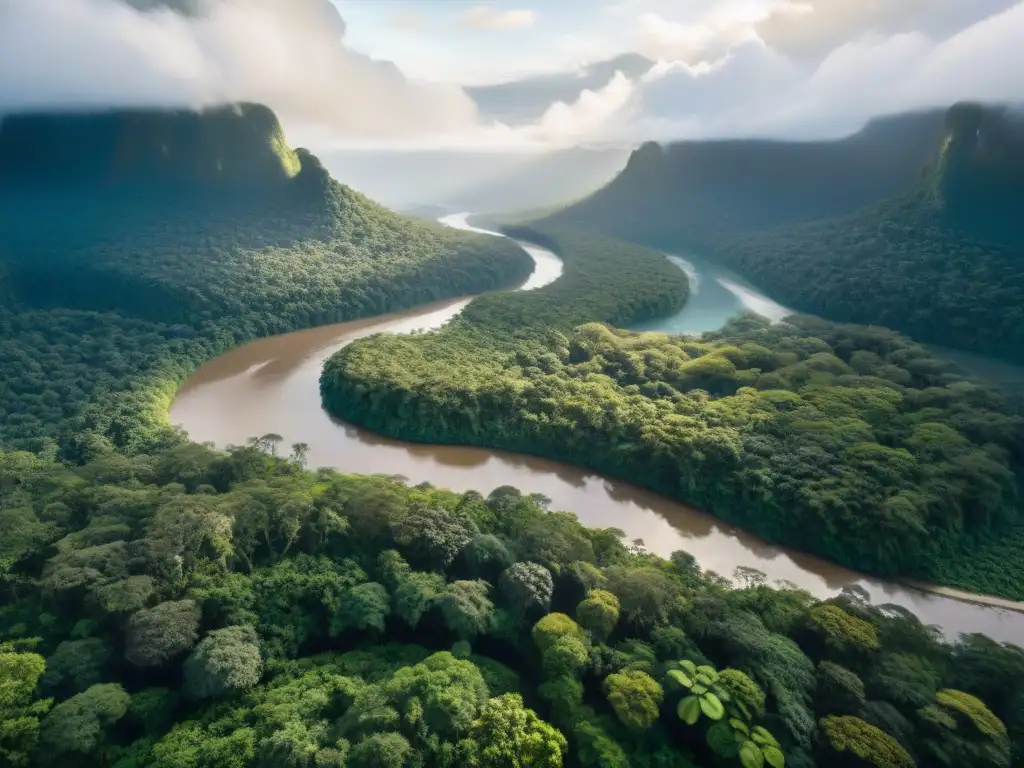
(708, 34)
(489, 17)
(755, 90)
(595, 116)
(103, 53)
(722, 80)
(824, 25)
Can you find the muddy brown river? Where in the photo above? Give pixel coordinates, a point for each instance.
(272, 386)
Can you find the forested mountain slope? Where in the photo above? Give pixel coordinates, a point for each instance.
(135, 244)
(697, 193)
(943, 262)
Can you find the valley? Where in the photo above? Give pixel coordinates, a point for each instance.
(271, 387)
(249, 418)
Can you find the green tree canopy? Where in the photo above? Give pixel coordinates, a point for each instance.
(156, 635)
(225, 662)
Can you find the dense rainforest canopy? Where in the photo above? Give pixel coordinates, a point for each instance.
(158, 265)
(853, 443)
(167, 605)
(944, 262)
(198, 609)
(912, 224)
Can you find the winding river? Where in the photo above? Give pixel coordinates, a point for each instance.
(272, 386)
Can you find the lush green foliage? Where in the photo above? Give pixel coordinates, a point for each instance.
(850, 442)
(912, 224)
(905, 264)
(176, 624)
(104, 315)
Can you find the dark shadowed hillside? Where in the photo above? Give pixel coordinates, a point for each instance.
(943, 262)
(236, 144)
(136, 244)
(697, 193)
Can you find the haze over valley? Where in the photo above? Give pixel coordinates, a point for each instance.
(605, 383)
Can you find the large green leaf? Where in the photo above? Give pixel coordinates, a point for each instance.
(763, 736)
(720, 739)
(680, 677)
(689, 666)
(711, 706)
(743, 709)
(739, 725)
(698, 689)
(774, 757)
(689, 710)
(750, 755)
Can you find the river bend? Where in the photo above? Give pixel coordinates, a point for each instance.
(272, 386)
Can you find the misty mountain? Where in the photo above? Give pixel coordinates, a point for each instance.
(943, 261)
(236, 145)
(528, 99)
(476, 181)
(695, 193)
(182, 216)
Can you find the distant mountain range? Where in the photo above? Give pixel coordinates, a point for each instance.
(528, 99)
(913, 223)
(696, 193)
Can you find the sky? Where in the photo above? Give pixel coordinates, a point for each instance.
(471, 42)
(391, 73)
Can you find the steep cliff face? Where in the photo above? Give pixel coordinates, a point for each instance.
(233, 145)
(697, 193)
(978, 174)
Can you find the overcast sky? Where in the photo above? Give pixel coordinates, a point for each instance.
(390, 72)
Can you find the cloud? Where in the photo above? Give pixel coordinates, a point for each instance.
(708, 34)
(756, 90)
(409, 22)
(724, 77)
(814, 28)
(88, 53)
(595, 116)
(489, 17)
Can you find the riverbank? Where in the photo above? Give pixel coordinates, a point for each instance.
(271, 386)
(966, 597)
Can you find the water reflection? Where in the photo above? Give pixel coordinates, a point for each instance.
(272, 385)
(716, 295)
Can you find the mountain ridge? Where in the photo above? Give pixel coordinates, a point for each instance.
(233, 144)
(697, 193)
(124, 266)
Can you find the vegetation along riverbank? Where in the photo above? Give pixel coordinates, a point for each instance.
(850, 442)
(168, 264)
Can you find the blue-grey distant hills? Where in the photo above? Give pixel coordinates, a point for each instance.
(695, 193)
(527, 99)
(477, 181)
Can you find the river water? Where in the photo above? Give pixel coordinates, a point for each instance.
(272, 386)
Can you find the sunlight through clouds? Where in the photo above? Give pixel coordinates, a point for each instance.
(733, 68)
